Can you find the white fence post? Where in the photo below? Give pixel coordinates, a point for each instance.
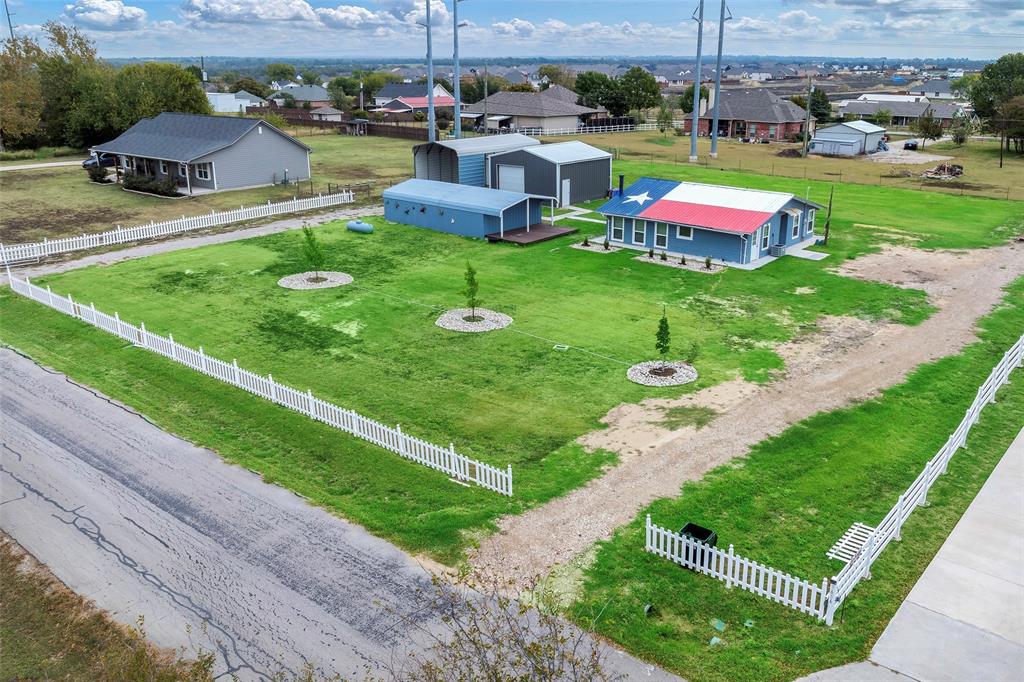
(309, 402)
(234, 366)
(899, 519)
(174, 346)
(728, 569)
(202, 360)
(142, 326)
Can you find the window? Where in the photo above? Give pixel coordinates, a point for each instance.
(771, 132)
(766, 231)
(617, 229)
(129, 163)
(163, 167)
(684, 232)
(639, 232)
(203, 171)
(661, 235)
(183, 169)
(809, 226)
(752, 129)
(796, 224)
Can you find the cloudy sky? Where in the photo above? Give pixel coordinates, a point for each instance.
(387, 28)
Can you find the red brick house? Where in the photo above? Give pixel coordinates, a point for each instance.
(754, 113)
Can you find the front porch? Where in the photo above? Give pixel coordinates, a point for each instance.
(191, 179)
(531, 234)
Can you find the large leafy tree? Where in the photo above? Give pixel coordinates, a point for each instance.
(686, 99)
(558, 75)
(592, 86)
(640, 89)
(997, 83)
(145, 90)
(310, 77)
(250, 85)
(821, 107)
(927, 127)
(21, 96)
(280, 72)
(1011, 122)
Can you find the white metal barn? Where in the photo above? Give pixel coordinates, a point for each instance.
(848, 138)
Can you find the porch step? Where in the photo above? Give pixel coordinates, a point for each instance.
(849, 546)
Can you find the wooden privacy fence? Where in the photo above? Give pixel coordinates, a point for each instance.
(443, 459)
(15, 253)
(738, 571)
(823, 601)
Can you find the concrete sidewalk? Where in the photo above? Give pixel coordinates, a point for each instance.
(964, 619)
(48, 164)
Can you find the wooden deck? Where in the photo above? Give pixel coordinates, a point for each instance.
(540, 232)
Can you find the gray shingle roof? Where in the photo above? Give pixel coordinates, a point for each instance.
(304, 93)
(538, 104)
(932, 86)
(182, 137)
(758, 105)
(395, 90)
(902, 109)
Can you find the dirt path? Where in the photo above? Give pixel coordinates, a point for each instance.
(35, 166)
(848, 360)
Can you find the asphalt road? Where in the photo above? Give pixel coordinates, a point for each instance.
(146, 524)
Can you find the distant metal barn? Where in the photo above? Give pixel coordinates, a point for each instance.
(468, 211)
(463, 161)
(567, 171)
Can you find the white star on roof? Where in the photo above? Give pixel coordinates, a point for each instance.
(638, 198)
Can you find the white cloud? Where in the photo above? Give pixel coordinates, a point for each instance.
(520, 28)
(247, 11)
(349, 17)
(105, 15)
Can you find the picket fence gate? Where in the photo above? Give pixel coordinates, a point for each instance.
(823, 601)
(447, 460)
(16, 253)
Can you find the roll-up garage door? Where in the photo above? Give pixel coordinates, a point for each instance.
(511, 178)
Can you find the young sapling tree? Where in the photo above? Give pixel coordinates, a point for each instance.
(470, 292)
(313, 253)
(663, 340)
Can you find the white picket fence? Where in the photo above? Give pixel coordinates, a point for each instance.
(16, 253)
(916, 495)
(447, 460)
(823, 601)
(737, 571)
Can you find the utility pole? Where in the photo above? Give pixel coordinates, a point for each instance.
(718, 80)
(361, 107)
(807, 124)
(486, 124)
(458, 75)
(431, 126)
(698, 16)
(10, 26)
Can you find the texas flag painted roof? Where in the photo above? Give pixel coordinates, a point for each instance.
(727, 209)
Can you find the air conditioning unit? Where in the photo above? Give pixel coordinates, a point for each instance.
(777, 250)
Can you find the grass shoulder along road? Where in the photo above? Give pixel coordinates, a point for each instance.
(787, 502)
(50, 633)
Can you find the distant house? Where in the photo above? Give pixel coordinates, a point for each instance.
(233, 102)
(754, 113)
(209, 153)
(903, 113)
(933, 90)
(326, 114)
(410, 105)
(315, 95)
(530, 111)
(281, 85)
(848, 138)
(393, 91)
(742, 227)
(885, 97)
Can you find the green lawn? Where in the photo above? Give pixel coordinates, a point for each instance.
(785, 505)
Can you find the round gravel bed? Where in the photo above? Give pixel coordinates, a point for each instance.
(301, 280)
(454, 320)
(641, 373)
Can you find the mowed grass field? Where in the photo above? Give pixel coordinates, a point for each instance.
(508, 397)
(61, 202)
(980, 159)
(787, 502)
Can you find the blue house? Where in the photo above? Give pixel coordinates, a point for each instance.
(465, 210)
(743, 227)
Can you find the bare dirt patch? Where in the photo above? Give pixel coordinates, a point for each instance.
(906, 156)
(845, 360)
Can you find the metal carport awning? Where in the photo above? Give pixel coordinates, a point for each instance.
(469, 115)
(498, 118)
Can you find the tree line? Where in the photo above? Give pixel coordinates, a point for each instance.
(62, 94)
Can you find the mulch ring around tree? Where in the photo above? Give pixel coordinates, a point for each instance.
(463, 320)
(658, 373)
(315, 280)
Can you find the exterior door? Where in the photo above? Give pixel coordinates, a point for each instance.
(511, 178)
(566, 198)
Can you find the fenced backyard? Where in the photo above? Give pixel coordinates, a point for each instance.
(445, 459)
(863, 546)
(16, 253)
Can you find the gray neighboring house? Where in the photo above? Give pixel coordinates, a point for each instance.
(209, 153)
(567, 171)
(316, 95)
(903, 113)
(537, 112)
(848, 138)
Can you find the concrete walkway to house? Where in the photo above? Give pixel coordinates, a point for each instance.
(48, 164)
(964, 620)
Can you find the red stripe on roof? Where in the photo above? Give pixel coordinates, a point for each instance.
(419, 102)
(738, 220)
